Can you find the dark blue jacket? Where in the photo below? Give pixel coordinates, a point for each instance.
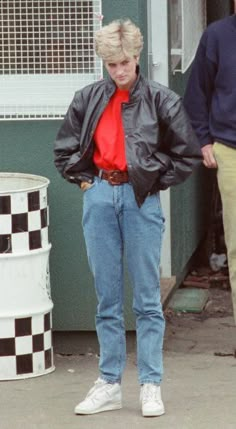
(210, 97)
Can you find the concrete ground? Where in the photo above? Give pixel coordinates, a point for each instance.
(199, 387)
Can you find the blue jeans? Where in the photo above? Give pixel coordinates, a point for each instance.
(114, 225)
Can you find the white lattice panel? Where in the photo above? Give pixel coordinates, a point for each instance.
(46, 53)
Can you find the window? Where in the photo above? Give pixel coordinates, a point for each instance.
(46, 54)
(187, 21)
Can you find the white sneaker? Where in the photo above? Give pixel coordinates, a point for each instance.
(102, 397)
(151, 402)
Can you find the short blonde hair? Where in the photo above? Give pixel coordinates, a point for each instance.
(118, 40)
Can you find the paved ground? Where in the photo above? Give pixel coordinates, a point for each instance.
(199, 388)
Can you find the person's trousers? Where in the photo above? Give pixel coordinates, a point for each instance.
(226, 176)
(114, 225)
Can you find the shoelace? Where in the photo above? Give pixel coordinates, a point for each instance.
(98, 384)
(100, 381)
(150, 393)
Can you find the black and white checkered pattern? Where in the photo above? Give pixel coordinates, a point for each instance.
(24, 221)
(26, 347)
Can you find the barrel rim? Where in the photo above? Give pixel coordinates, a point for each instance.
(45, 182)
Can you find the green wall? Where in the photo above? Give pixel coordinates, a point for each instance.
(26, 146)
(190, 215)
(190, 206)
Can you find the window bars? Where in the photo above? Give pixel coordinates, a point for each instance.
(46, 54)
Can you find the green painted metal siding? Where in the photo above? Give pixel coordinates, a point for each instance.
(190, 213)
(190, 206)
(26, 146)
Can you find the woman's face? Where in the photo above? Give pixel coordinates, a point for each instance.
(123, 73)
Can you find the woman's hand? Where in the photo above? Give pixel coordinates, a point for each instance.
(85, 185)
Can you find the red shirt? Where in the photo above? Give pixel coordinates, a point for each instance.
(109, 136)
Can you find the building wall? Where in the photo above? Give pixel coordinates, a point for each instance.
(27, 146)
(190, 206)
(191, 201)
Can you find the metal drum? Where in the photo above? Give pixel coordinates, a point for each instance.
(25, 299)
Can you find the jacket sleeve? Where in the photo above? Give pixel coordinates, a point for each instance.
(200, 87)
(179, 149)
(67, 143)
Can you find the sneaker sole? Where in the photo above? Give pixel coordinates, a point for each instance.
(112, 407)
(153, 413)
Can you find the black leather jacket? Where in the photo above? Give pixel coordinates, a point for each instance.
(161, 146)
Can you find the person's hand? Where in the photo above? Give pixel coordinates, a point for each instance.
(85, 185)
(208, 156)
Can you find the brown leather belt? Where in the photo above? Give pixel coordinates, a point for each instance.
(114, 177)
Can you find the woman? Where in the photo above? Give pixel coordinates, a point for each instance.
(123, 140)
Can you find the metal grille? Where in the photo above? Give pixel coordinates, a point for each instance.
(188, 20)
(46, 53)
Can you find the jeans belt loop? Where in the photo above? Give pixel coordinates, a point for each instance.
(100, 171)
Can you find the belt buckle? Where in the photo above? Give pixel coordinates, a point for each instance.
(112, 178)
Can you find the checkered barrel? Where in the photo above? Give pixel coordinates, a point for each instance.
(25, 299)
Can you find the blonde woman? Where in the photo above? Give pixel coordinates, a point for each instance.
(124, 139)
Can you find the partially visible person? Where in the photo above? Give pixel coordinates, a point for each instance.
(123, 139)
(210, 100)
